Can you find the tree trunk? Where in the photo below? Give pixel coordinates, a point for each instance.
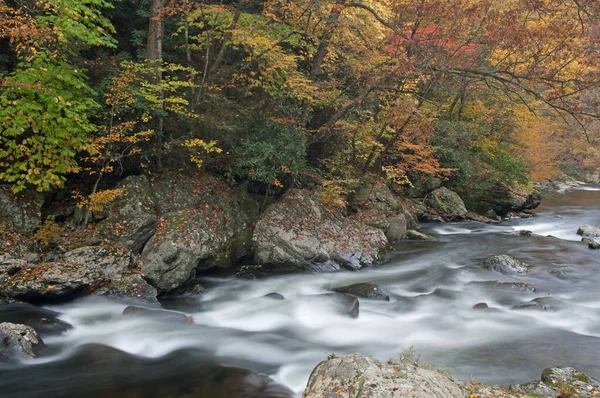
(156, 32)
(330, 27)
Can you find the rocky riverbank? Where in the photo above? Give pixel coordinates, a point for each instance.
(156, 236)
(358, 375)
(149, 244)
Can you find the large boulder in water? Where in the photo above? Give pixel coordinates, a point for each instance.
(365, 290)
(209, 226)
(131, 217)
(377, 206)
(19, 342)
(358, 375)
(446, 203)
(503, 199)
(505, 264)
(590, 235)
(22, 212)
(42, 320)
(80, 272)
(296, 231)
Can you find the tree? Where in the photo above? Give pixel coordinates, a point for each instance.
(45, 103)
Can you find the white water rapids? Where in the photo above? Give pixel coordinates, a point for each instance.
(433, 287)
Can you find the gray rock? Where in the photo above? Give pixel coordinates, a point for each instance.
(296, 231)
(274, 296)
(81, 272)
(587, 231)
(477, 217)
(503, 199)
(365, 290)
(446, 203)
(216, 232)
(506, 286)
(19, 341)
(505, 264)
(130, 287)
(21, 212)
(161, 315)
(376, 197)
(358, 375)
(556, 382)
(416, 235)
(481, 306)
(397, 228)
(393, 225)
(42, 320)
(344, 303)
(525, 233)
(590, 235)
(131, 218)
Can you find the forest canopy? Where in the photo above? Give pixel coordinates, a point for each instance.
(476, 92)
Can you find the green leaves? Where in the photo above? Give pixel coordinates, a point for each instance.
(45, 104)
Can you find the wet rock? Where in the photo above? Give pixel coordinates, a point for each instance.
(507, 286)
(542, 304)
(216, 231)
(525, 233)
(81, 272)
(274, 296)
(130, 287)
(559, 186)
(358, 375)
(131, 218)
(161, 315)
(532, 305)
(503, 199)
(95, 371)
(345, 303)
(446, 203)
(296, 231)
(481, 306)
(21, 212)
(40, 319)
(365, 290)
(592, 244)
(561, 382)
(506, 265)
(477, 217)
(19, 341)
(590, 235)
(416, 235)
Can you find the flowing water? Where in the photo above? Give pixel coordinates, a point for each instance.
(434, 286)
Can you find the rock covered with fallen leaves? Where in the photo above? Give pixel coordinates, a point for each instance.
(79, 272)
(359, 375)
(298, 232)
(204, 222)
(131, 217)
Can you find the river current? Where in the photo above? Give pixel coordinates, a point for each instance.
(433, 287)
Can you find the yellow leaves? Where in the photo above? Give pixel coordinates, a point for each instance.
(198, 146)
(96, 201)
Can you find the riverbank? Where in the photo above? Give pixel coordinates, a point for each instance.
(433, 287)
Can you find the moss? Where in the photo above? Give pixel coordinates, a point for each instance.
(547, 376)
(582, 377)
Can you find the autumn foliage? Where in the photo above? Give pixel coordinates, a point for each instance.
(472, 91)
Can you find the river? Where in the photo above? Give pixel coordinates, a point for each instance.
(434, 286)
